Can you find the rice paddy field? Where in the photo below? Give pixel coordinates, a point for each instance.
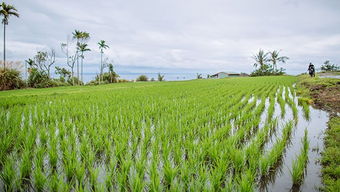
(234, 134)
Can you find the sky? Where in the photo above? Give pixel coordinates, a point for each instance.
(179, 36)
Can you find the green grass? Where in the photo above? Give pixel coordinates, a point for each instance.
(200, 135)
(330, 157)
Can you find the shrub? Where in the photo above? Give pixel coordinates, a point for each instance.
(74, 81)
(142, 78)
(123, 81)
(108, 77)
(160, 77)
(59, 82)
(267, 70)
(38, 79)
(327, 66)
(10, 79)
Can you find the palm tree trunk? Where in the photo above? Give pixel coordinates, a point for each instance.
(101, 67)
(77, 53)
(77, 68)
(82, 61)
(26, 75)
(72, 76)
(4, 46)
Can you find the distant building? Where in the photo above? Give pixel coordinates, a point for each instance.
(221, 75)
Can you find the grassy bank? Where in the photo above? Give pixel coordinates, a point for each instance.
(330, 158)
(325, 93)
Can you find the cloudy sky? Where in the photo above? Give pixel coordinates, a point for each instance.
(181, 35)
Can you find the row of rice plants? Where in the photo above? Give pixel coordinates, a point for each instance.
(300, 163)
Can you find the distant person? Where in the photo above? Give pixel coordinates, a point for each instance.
(311, 70)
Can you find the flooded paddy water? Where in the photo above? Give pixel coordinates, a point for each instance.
(315, 123)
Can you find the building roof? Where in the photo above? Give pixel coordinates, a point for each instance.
(227, 73)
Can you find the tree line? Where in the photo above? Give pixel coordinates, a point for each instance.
(41, 64)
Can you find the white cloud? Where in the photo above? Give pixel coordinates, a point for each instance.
(212, 35)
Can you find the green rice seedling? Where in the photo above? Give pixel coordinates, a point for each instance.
(245, 181)
(40, 154)
(93, 172)
(43, 137)
(55, 184)
(292, 105)
(109, 180)
(6, 142)
(269, 159)
(229, 185)
(237, 159)
(137, 183)
(271, 108)
(281, 103)
(184, 175)
(25, 166)
(123, 176)
(306, 110)
(53, 155)
(39, 177)
(30, 140)
(218, 174)
(295, 112)
(155, 178)
(80, 188)
(169, 174)
(70, 164)
(80, 172)
(300, 163)
(8, 175)
(140, 167)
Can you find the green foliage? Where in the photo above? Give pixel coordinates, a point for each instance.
(142, 78)
(264, 68)
(7, 11)
(160, 77)
(39, 79)
(10, 79)
(267, 70)
(65, 74)
(327, 66)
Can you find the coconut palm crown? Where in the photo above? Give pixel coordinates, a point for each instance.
(6, 11)
(275, 58)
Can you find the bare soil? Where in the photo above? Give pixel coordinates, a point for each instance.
(326, 97)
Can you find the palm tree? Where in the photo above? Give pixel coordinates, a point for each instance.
(80, 37)
(6, 11)
(102, 46)
(82, 47)
(260, 59)
(77, 35)
(275, 58)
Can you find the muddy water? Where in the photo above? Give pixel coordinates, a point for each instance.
(316, 125)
